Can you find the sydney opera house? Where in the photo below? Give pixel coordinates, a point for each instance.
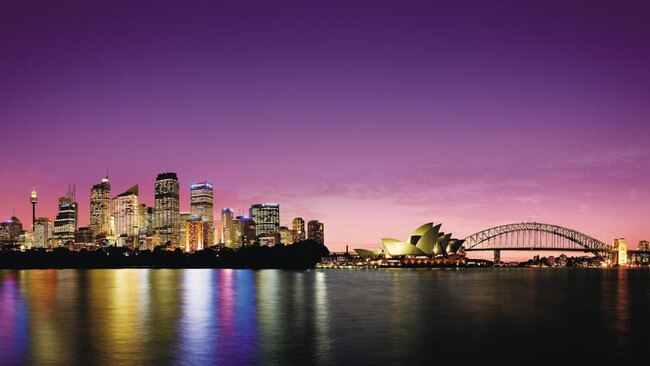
(425, 241)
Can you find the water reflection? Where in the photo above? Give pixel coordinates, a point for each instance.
(242, 317)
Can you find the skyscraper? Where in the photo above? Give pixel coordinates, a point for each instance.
(316, 231)
(100, 205)
(228, 228)
(286, 235)
(42, 232)
(266, 217)
(201, 206)
(644, 246)
(127, 216)
(166, 212)
(298, 229)
(65, 223)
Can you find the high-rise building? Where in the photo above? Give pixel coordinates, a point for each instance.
(644, 246)
(126, 213)
(166, 213)
(201, 202)
(316, 231)
(11, 230)
(183, 229)
(228, 228)
(100, 206)
(194, 229)
(266, 217)
(238, 231)
(65, 224)
(620, 251)
(286, 235)
(42, 232)
(298, 229)
(33, 199)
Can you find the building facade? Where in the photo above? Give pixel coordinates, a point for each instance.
(126, 212)
(65, 224)
(644, 246)
(100, 208)
(266, 217)
(42, 232)
(183, 230)
(194, 239)
(286, 235)
(316, 231)
(298, 226)
(201, 206)
(228, 229)
(166, 210)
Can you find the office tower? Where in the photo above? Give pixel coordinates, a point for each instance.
(238, 231)
(194, 230)
(286, 235)
(33, 199)
(166, 213)
(644, 246)
(42, 232)
(228, 228)
(126, 212)
(266, 217)
(201, 201)
(184, 216)
(298, 229)
(620, 251)
(65, 224)
(316, 231)
(143, 217)
(11, 230)
(247, 226)
(100, 206)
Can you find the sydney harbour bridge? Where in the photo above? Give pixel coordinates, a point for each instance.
(533, 236)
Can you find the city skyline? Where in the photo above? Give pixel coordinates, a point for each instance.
(368, 118)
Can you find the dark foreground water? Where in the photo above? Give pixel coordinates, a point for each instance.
(221, 316)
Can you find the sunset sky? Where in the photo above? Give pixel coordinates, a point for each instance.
(371, 116)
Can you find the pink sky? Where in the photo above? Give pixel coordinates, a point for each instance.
(373, 118)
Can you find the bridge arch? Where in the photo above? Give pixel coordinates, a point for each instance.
(533, 236)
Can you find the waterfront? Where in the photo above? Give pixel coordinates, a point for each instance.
(224, 316)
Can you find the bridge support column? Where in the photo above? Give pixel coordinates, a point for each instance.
(497, 257)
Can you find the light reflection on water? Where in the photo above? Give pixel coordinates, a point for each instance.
(242, 317)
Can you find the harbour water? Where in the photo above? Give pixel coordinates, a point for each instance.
(322, 317)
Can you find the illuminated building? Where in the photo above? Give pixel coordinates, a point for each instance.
(619, 252)
(228, 228)
(145, 217)
(248, 230)
(238, 231)
(33, 199)
(194, 229)
(298, 229)
(286, 235)
(126, 213)
(201, 206)
(316, 231)
(166, 210)
(266, 217)
(644, 246)
(42, 232)
(11, 230)
(65, 224)
(427, 240)
(183, 229)
(100, 205)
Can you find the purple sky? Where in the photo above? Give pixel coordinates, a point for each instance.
(372, 116)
